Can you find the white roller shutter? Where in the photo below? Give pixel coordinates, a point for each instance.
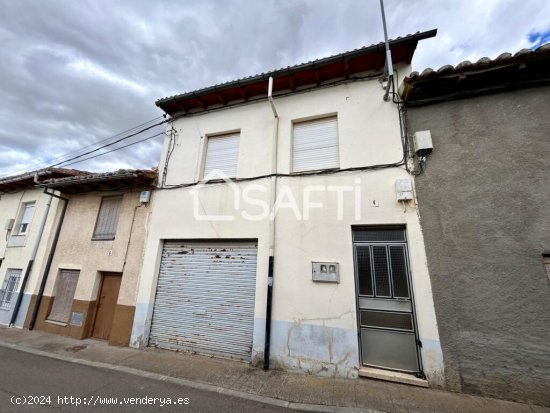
(315, 145)
(222, 153)
(205, 298)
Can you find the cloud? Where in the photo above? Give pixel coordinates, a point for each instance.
(75, 73)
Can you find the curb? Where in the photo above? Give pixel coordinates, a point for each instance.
(305, 407)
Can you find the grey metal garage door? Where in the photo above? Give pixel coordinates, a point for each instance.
(205, 298)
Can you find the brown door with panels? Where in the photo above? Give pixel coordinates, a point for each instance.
(106, 305)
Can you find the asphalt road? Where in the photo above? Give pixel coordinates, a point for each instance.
(28, 378)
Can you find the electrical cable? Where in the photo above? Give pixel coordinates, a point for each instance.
(116, 149)
(59, 159)
(109, 144)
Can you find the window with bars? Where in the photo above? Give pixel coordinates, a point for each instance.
(382, 271)
(26, 217)
(315, 145)
(11, 282)
(222, 154)
(65, 288)
(107, 218)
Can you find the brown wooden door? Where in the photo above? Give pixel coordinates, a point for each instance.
(106, 304)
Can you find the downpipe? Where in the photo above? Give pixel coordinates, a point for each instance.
(270, 272)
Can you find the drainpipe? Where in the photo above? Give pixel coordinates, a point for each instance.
(31, 260)
(389, 64)
(50, 259)
(271, 226)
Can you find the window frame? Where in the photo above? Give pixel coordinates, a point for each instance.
(302, 121)
(106, 236)
(7, 295)
(22, 213)
(57, 295)
(546, 263)
(215, 136)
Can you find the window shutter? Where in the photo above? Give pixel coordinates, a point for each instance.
(64, 295)
(26, 218)
(107, 218)
(315, 145)
(222, 152)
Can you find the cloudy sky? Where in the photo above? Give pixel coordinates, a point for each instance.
(74, 73)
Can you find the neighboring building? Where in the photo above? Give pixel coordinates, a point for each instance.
(26, 216)
(351, 287)
(484, 202)
(90, 285)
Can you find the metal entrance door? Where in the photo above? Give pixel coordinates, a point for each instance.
(387, 324)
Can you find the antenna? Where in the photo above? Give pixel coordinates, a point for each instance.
(389, 65)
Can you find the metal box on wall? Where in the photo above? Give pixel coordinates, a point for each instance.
(325, 272)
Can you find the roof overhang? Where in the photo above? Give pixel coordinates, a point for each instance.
(526, 68)
(110, 181)
(27, 180)
(294, 78)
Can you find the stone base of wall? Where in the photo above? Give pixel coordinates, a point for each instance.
(120, 332)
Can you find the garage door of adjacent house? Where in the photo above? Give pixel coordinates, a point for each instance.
(205, 298)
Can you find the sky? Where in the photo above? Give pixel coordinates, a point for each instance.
(74, 73)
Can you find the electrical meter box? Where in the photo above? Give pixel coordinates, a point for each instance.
(423, 143)
(144, 196)
(328, 272)
(404, 190)
(9, 224)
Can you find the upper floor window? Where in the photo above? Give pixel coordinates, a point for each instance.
(107, 218)
(315, 145)
(26, 216)
(222, 153)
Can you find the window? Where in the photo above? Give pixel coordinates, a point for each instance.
(546, 259)
(107, 218)
(222, 153)
(315, 145)
(64, 294)
(26, 217)
(11, 282)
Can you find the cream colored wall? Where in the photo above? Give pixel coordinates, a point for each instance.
(18, 257)
(314, 324)
(76, 250)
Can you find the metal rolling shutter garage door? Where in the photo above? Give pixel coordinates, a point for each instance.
(205, 298)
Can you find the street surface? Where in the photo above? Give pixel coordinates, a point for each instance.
(49, 385)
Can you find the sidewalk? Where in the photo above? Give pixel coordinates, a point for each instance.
(296, 391)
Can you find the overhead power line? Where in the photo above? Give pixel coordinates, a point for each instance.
(116, 149)
(109, 144)
(64, 157)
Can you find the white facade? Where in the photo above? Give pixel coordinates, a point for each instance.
(16, 245)
(314, 325)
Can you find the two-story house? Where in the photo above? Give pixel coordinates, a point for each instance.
(27, 215)
(88, 287)
(484, 202)
(278, 235)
